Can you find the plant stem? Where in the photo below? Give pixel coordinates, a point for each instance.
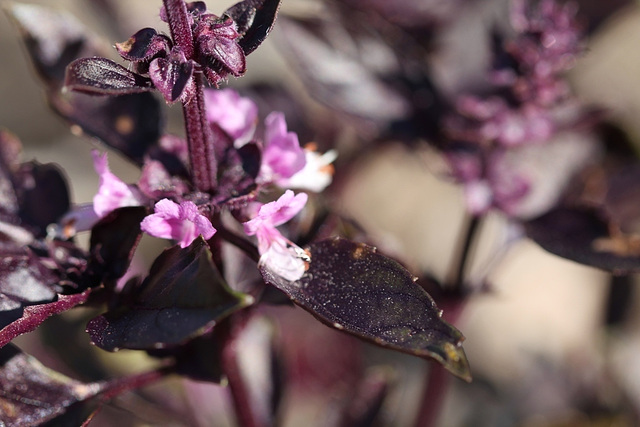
(121, 385)
(177, 16)
(199, 136)
(435, 389)
(437, 379)
(200, 139)
(238, 241)
(244, 410)
(456, 279)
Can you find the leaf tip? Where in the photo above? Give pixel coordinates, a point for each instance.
(455, 361)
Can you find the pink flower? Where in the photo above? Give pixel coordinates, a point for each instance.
(181, 222)
(112, 193)
(235, 114)
(316, 174)
(282, 156)
(280, 255)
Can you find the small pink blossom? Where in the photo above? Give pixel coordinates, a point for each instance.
(316, 174)
(282, 256)
(235, 114)
(282, 156)
(181, 222)
(113, 193)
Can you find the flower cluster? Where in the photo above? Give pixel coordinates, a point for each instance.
(531, 107)
(284, 163)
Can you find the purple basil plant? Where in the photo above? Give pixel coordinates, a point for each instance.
(230, 182)
(246, 206)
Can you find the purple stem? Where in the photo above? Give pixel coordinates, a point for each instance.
(199, 136)
(435, 390)
(178, 18)
(244, 410)
(121, 385)
(436, 383)
(200, 139)
(34, 315)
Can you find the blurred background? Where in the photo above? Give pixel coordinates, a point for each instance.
(549, 344)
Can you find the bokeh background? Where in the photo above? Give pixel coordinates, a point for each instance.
(539, 346)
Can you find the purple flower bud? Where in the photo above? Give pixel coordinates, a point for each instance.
(173, 76)
(144, 45)
(182, 222)
(217, 48)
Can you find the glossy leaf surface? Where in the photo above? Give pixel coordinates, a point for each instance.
(184, 296)
(352, 288)
(254, 20)
(101, 76)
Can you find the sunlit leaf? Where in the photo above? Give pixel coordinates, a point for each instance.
(101, 76)
(352, 288)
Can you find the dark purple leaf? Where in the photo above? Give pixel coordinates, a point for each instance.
(183, 297)
(218, 49)
(43, 195)
(24, 280)
(225, 55)
(173, 77)
(249, 347)
(254, 20)
(33, 394)
(53, 39)
(34, 315)
(365, 405)
(237, 171)
(317, 47)
(113, 242)
(144, 45)
(198, 359)
(131, 124)
(101, 76)
(584, 235)
(352, 288)
(623, 193)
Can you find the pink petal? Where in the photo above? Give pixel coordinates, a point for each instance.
(282, 156)
(277, 212)
(236, 115)
(286, 260)
(180, 222)
(316, 175)
(112, 193)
